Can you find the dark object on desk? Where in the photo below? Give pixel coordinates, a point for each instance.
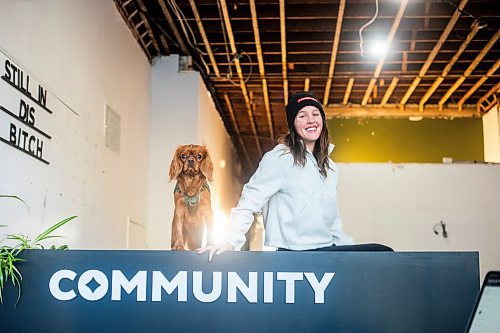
(486, 314)
(371, 247)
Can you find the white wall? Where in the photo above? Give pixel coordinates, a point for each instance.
(491, 135)
(85, 55)
(399, 204)
(183, 113)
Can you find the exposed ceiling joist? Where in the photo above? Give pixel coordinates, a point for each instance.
(478, 84)
(395, 111)
(236, 127)
(434, 52)
(172, 25)
(262, 70)
(447, 69)
(489, 99)
(469, 69)
(127, 17)
(204, 38)
(283, 51)
(164, 43)
(348, 90)
(389, 91)
(243, 87)
(307, 83)
(148, 27)
(335, 47)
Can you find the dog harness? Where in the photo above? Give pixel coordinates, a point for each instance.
(194, 200)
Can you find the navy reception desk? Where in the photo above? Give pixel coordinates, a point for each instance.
(164, 291)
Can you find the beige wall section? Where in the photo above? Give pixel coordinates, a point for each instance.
(399, 204)
(84, 54)
(491, 134)
(183, 113)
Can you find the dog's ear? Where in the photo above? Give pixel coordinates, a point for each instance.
(175, 166)
(207, 167)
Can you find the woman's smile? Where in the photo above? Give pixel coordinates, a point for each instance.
(308, 125)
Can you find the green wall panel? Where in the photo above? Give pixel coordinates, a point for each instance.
(405, 141)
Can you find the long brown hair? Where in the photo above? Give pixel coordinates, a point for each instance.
(298, 149)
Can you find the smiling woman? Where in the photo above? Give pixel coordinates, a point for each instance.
(295, 188)
(308, 125)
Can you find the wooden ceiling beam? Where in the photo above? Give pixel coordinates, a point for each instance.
(243, 87)
(127, 18)
(236, 127)
(148, 26)
(427, 14)
(172, 25)
(489, 100)
(348, 42)
(395, 111)
(138, 25)
(335, 47)
(307, 84)
(164, 43)
(389, 91)
(478, 84)
(469, 69)
(150, 33)
(283, 50)
(348, 90)
(262, 71)
(447, 69)
(434, 52)
(131, 15)
(390, 37)
(204, 37)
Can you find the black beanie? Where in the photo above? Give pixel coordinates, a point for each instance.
(297, 101)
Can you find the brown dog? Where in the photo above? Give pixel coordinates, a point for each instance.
(192, 168)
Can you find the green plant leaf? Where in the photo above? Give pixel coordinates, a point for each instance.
(14, 278)
(17, 198)
(9, 255)
(46, 233)
(23, 240)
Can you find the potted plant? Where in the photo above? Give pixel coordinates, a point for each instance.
(10, 254)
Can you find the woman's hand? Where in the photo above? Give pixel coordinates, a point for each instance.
(217, 249)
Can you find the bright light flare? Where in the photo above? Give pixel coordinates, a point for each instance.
(378, 48)
(219, 224)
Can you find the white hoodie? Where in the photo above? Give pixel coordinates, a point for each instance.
(299, 205)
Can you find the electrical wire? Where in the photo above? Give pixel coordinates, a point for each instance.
(364, 26)
(231, 58)
(183, 23)
(239, 56)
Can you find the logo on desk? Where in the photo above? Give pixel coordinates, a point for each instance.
(94, 285)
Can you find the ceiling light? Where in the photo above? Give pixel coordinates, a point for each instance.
(415, 118)
(378, 48)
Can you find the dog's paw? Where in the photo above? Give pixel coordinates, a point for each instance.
(178, 247)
